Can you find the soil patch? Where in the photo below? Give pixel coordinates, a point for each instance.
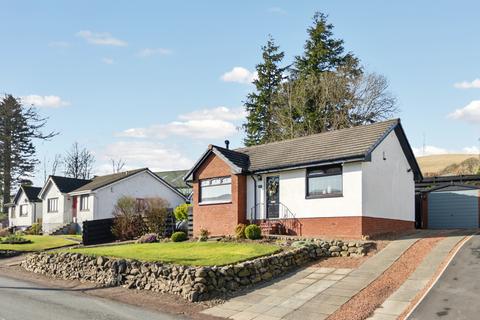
(362, 305)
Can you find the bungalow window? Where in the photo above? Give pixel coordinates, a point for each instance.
(216, 190)
(84, 202)
(52, 205)
(23, 210)
(12, 214)
(323, 182)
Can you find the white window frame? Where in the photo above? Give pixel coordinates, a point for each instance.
(51, 201)
(223, 181)
(84, 202)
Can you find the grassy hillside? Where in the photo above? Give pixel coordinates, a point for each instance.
(449, 164)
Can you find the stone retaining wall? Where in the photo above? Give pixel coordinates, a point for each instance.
(192, 283)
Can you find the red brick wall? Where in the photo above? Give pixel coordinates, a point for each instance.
(219, 219)
(350, 227)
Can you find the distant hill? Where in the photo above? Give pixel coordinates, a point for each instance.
(449, 164)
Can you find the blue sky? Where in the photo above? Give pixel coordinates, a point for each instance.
(154, 82)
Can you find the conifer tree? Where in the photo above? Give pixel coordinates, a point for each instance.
(259, 127)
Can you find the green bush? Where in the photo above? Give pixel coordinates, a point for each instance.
(156, 213)
(35, 229)
(253, 232)
(240, 231)
(179, 236)
(181, 212)
(204, 233)
(15, 239)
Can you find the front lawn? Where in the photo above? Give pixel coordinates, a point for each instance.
(184, 253)
(39, 243)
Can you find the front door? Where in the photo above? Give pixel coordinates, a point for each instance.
(273, 197)
(74, 207)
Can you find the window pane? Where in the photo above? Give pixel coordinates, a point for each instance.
(218, 193)
(325, 185)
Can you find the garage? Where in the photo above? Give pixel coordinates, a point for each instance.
(453, 206)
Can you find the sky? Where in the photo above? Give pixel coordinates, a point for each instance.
(154, 82)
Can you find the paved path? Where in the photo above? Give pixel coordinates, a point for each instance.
(456, 295)
(310, 293)
(402, 298)
(20, 300)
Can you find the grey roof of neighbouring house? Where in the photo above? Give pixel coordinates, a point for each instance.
(174, 178)
(350, 144)
(102, 181)
(30, 192)
(66, 185)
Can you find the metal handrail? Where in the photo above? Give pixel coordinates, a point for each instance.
(286, 218)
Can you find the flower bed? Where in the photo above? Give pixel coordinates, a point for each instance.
(190, 282)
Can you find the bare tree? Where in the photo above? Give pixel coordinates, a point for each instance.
(78, 162)
(57, 162)
(117, 165)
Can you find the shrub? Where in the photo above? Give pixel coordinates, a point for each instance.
(4, 232)
(148, 238)
(156, 214)
(253, 232)
(179, 236)
(128, 224)
(15, 239)
(34, 229)
(204, 233)
(240, 231)
(181, 212)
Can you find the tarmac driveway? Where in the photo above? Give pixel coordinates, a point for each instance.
(456, 295)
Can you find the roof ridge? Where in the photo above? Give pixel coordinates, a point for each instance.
(313, 135)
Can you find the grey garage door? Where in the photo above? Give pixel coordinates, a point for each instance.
(453, 209)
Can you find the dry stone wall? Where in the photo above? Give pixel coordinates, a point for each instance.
(192, 283)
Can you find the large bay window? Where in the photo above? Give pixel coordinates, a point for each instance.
(323, 182)
(216, 190)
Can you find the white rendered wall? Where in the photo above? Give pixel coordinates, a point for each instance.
(22, 221)
(141, 185)
(292, 194)
(388, 187)
(52, 220)
(85, 215)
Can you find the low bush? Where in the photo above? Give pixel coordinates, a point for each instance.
(15, 239)
(179, 236)
(128, 224)
(5, 232)
(253, 232)
(204, 233)
(156, 214)
(34, 229)
(181, 212)
(240, 231)
(148, 238)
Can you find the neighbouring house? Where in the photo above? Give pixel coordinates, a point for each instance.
(57, 204)
(26, 208)
(97, 199)
(346, 183)
(175, 179)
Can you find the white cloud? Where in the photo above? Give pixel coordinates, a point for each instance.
(101, 38)
(139, 154)
(59, 44)
(148, 52)
(108, 60)
(44, 101)
(433, 150)
(205, 124)
(475, 84)
(239, 75)
(469, 113)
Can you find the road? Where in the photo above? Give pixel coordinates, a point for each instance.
(20, 300)
(456, 295)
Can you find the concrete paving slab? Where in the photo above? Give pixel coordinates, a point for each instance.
(392, 307)
(342, 271)
(293, 303)
(266, 317)
(306, 281)
(219, 312)
(316, 276)
(279, 311)
(305, 315)
(250, 298)
(324, 270)
(244, 316)
(273, 300)
(235, 305)
(259, 308)
(334, 277)
(340, 292)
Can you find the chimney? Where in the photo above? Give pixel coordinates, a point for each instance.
(227, 144)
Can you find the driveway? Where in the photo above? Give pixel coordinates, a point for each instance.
(21, 300)
(456, 294)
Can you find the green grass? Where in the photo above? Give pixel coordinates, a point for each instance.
(39, 243)
(184, 253)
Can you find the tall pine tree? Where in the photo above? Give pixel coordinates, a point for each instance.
(260, 127)
(19, 126)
